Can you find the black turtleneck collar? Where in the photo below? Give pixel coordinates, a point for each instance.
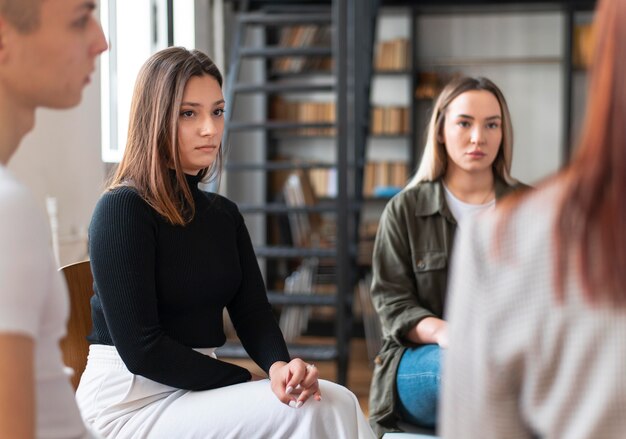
(192, 180)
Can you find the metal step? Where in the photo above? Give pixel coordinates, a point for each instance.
(280, 51)
(279, 19)
(284, 208)
(277, 166)
(390, 136)
(294, 252)
(302, 298)
(306, 352)
(283, 88)
(280, 74)
(285, 166)
(277, 125)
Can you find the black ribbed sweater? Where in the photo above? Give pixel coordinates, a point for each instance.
(160, 290)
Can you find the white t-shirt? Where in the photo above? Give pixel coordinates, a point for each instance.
(461, 210)
(34, 302)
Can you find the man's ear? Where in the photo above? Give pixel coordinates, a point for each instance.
(8, 34)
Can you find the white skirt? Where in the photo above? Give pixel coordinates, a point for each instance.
(118, 404)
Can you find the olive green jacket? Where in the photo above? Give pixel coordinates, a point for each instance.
(410, 273)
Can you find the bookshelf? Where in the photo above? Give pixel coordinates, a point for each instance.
(393, 55)
(527, 49)
(308, 36)
(523, 47)
(390, 156)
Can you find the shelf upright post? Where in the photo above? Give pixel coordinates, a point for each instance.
(345, 120)
(413, 138)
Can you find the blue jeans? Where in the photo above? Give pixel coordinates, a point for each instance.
(417, 382)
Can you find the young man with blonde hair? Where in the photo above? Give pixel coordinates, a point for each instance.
(47, 54)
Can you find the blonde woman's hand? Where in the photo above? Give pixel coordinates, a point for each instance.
(441, 336)
(430, 330)
(295, 382)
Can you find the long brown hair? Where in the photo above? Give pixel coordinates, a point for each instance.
(152, 148)
(591, 223)
(435, 160)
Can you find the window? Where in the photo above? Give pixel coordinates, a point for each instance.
(135, 30)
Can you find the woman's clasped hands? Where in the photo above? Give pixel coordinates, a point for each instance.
(295, 382)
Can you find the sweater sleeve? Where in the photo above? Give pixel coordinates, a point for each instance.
(122, 248)
(250, 310)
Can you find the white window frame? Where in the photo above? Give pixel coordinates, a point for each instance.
(115, 99)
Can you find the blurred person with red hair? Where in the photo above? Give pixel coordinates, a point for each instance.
(537, 317)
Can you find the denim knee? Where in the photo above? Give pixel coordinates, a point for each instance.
(418, 381)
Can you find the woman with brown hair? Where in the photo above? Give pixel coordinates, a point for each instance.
(538, 311)
(465, 169)
(167, 258)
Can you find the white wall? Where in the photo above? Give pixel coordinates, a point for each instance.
(534, 91)
(61, 158)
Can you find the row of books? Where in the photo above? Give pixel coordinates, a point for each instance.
(324, 182)
(367, 235)
(582, 45)
(390, 120)
(309, 35)
(304, 112)
(385, 120)
(381, 179)
(371, 320)
(294, 319)
(298, 192)
(392, 55)
(384, 179)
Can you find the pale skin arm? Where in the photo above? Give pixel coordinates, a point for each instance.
(295, 382)
(430, 330)
(17, 391)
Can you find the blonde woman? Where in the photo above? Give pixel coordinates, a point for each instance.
(167, 258)
(465, 169)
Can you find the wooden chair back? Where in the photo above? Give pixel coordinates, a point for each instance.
(75, 346)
